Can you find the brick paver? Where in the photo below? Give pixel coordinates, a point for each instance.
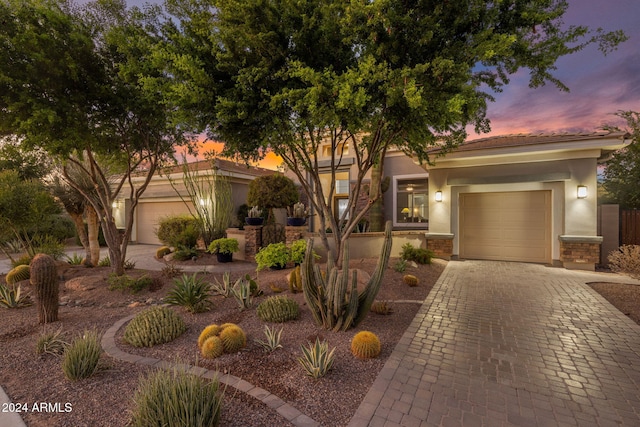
(511, 344)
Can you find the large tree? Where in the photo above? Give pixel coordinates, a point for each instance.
(292, 76)
(622, 172)
(77, 82)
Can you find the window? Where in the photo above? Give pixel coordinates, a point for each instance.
(411, 201)
(340, 191)
(342, 149)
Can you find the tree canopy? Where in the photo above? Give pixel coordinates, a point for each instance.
(294, 76)
(622, 172)
(79, 83)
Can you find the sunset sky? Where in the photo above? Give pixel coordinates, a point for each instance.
(599, 85)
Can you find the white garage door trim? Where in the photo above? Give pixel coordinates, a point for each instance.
(508, 226)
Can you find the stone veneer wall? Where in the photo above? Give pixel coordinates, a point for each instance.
(579, 252)
(253, 241)
(442, 248)
(294, 233)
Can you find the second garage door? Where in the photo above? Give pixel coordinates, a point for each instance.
(149, 215)
(509, 226)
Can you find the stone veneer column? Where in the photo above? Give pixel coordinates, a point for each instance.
(253, 241)
(294, 233)
(441, 244)
(580, 252)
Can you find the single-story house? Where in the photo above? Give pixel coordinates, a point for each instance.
(530, 198)
(160, 199)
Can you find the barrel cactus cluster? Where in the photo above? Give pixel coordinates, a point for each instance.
(215, 340)
(156, 325)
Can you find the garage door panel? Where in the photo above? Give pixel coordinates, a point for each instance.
(148, 216)
(506, 226)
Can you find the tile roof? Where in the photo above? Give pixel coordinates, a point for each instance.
(519, 140)
(222, 164)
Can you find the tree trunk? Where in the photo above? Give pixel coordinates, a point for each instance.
(376, 213)
(82, 234)
(93, 229)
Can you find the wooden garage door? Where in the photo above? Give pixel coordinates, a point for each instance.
(510, 226)
(148, 215)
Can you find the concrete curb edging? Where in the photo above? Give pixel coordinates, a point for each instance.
(288, 412)
(9, 419)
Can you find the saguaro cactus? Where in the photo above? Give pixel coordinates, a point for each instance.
(332, 304)
(44, 278)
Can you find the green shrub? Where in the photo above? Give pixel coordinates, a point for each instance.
(82, 356)
(419, 255)
(129, 284)
(400, 266)
(185, 253)
(278, 309)
(156, 325)
(190, 292)
(46, 244)
(274, 255)
(224, 246)
(178, 230)
(176, 398)
(60, 227)
(105, 262)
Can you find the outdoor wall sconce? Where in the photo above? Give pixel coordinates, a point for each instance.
(582, 191)
(438, 196)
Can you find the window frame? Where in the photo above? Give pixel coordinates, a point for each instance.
(395, 179)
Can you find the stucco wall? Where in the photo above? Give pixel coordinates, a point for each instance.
(570, 215)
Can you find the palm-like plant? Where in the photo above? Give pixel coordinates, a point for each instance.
(190, 292)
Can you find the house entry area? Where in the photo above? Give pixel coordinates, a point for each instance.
(508, 226)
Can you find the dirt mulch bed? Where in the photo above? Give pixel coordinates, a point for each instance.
(106, 398)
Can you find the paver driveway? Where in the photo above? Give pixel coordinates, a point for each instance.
(502, 344)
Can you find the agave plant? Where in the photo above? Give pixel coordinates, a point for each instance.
(12, 297)
(316, 359)
(190, 292)
(273, 339)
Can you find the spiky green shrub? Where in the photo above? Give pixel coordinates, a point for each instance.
(278, 309)
(190, 292)
(224, 288)
(212, 347)
(17, 274)
(316, 359)
(82, 356)
(400, 266)
(162, 251)
(419, 255)
(244, 290)
(105, 262)
(156, 325)
(176, 398)
(365, 345)
(51, 342)
(272, 341)
(12, 297)
(23, 260)
(233, 338)
(75, 259)
(208, 332)
(129, 284)
(410, 280)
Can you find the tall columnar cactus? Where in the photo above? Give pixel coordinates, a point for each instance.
(44, 278)
(332, 304)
